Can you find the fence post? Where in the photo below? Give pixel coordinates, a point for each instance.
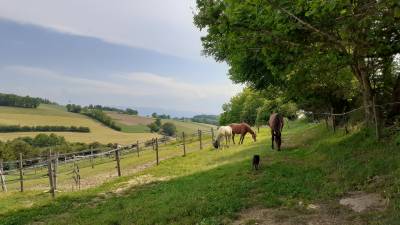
(21, 173)
(91, 158)
(376, 118)
(2, 178)
(117, 159)
(333, 120)
(55, 171)
(137, 148)
(183, 143)
(157, 150)
(51, 177)
(200, 141)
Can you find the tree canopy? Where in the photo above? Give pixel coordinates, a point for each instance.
(321, 54)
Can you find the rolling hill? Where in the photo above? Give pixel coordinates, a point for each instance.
(138, 124)
(57, 115)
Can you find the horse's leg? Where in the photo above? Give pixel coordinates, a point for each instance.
(272, 137)
(242, 138)
(233, 138)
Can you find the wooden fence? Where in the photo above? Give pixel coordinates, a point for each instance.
(35, 170)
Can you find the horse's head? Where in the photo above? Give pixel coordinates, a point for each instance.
(254, 136)
(216, 144)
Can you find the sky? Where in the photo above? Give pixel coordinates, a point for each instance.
(125, 53)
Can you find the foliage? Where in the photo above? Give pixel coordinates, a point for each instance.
(208, 119)
(168, 129)
(100, 116)
(18, 101)
(18, 128)
(321, 54)
(31, 147)
(155, 126)
(74, 108)
(254, 108)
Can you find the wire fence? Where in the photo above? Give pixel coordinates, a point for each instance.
(84, 169)
(353, 118)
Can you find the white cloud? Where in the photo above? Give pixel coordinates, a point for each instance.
(145, 89)
(161, 25)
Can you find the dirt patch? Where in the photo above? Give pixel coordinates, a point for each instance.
(311, 214)
(360, 201)
(140, 180)
(129, 119)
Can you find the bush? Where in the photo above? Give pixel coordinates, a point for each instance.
(168, 129)
(18, 128)
(100, 116)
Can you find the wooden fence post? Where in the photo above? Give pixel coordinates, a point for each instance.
(51, 177)
(200, 141)
(157, 151)
(183, 143)
(55, 167)
(2, 177)
(137, 148)
(333, 120)
(21, 173)
(91, 158)
(118, 163)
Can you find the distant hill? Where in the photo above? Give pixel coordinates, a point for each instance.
(209, 119)
(131, 123)
(46, 114)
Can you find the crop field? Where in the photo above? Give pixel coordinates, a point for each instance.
(137, 124)
(57, 115)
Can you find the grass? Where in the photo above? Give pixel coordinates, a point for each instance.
(57, 115)
(211, 187)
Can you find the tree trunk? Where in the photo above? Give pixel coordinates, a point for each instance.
(366, 89)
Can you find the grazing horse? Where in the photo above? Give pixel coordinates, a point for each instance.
(242, 129)
(223, 132)
(276, 125)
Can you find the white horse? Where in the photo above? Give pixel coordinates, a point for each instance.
(223, 131)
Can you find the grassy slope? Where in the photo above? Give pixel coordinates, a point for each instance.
(56, 115)
(210, 187)
(135, 124)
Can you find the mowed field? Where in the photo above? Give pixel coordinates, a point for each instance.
(138, 124)
(57, 115)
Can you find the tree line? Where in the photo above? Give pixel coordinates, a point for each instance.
(254, 107)
(38, 146)
(325, 56)
(77, 109)
(208, 119)
(18, 128)
(22, 101)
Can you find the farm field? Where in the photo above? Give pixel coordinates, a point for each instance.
(135, 124)
(316, 167)
(57, 115)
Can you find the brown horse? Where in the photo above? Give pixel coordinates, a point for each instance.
(276, 124)
(242, 129)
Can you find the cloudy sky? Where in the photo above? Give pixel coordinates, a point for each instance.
(130, 53)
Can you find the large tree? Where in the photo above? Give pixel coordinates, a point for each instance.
(268, 42)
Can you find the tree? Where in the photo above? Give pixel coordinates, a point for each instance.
(168, 128)
(154, 115)
(269, 42)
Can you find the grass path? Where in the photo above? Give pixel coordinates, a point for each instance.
(217, 187)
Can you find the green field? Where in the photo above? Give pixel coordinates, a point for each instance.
(138, 124)
(57, 115)
(219, 187)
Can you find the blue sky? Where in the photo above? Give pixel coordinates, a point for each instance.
(126, 53)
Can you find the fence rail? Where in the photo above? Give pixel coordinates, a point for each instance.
(75, 169)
